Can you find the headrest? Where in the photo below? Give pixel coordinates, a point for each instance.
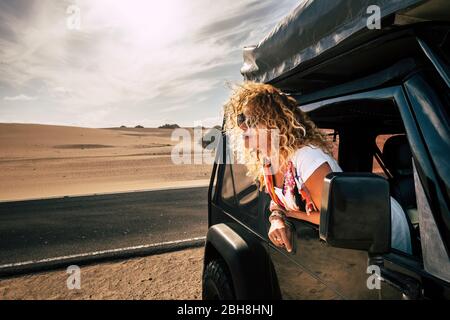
(397, 155)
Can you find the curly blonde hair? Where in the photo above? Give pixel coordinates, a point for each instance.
(266, 106)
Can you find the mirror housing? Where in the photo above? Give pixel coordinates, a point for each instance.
(356, 212)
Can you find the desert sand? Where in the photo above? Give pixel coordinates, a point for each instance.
(135, 279)
(40, 161)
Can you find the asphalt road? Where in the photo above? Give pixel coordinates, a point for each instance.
(41, 229)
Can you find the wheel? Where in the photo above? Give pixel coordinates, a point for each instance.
(217, 284)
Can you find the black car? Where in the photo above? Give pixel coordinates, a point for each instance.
(384, 92)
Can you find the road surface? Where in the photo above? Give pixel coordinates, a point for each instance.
(42, 229)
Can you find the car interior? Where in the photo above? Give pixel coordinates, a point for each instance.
(366, 121)
(397, 158)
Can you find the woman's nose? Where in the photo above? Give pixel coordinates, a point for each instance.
(243, 127)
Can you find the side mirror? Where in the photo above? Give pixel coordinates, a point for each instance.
(356, 212)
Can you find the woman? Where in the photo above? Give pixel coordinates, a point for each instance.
(290, 157)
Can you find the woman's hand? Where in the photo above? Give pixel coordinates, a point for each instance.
(279, 234)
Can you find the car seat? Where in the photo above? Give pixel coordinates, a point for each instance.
(397, 158)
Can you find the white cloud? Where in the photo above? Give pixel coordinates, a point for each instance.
(21, 97)
(210, 122)
(133, 58)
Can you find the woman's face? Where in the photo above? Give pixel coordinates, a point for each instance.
(257, 138)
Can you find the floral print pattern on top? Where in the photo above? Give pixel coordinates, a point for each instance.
(286, 199)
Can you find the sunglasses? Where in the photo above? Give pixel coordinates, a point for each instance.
(241, 119)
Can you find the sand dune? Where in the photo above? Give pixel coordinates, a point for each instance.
(47, 161)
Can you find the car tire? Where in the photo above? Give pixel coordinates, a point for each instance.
(217, 284)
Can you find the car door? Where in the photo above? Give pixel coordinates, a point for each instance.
(427, 125)
(428, 275)
(318, 271)
(344, 273)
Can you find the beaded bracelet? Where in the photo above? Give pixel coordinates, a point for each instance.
(277, 213)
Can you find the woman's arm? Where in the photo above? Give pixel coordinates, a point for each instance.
(275, 207)
(278, 233)
(314, 217)
(314, 184)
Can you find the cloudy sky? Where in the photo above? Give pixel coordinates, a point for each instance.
(102, 63)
